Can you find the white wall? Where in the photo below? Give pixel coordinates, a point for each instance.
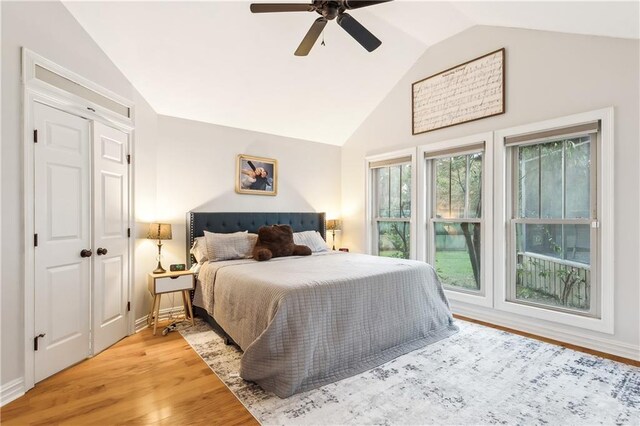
(196, 169)
(548, 75)
(144, 161)
(48, 29)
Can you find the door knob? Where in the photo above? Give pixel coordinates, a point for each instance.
(101, 251)
(86, 253)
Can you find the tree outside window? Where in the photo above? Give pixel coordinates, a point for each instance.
(457, 220)
(393, 210)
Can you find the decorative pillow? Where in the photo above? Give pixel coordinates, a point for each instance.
(195, 268)
(199, 250)
(277, 241)
(311, 239)
(238, 245)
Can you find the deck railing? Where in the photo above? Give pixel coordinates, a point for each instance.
(565, 282)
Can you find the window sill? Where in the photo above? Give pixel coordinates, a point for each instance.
(603, 324)
(478, 299)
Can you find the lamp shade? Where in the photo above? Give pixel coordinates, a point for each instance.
(159, 231)
(334, 224)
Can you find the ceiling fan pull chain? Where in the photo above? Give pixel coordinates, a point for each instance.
(323, 39)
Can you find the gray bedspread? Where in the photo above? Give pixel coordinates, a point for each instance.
(304, 322)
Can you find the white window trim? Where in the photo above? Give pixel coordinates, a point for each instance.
(73, 103)
(369, 198)
(484, 298)
(605, 202)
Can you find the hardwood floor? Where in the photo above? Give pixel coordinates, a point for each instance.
(143, 379)
(146, 379)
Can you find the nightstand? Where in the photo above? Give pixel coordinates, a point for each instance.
(170, 282)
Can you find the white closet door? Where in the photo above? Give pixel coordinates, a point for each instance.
(62, 223)
(111, 221)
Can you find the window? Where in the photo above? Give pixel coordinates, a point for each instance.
(553, 227)
(455, 194)
(391, 182)
(455, 236)
(456, 216)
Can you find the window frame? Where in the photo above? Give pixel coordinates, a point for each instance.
(601, 317)
(426, 233)
(371, 198)
(515, 220)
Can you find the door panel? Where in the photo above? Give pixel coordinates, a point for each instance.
(113, 150)
(62, 289)
(112, 301)
(62, 222)
(111, 221)
(64, 137)
(64, 202)
(114, 216)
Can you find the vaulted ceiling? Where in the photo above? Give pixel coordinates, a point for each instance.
(216, 62)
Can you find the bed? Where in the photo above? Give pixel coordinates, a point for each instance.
(303, 322)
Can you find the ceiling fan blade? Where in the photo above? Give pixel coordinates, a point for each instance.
(310, 39)
(357, 4)
(357, 31)
(281, 7)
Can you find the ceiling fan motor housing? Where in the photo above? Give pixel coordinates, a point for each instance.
(328, 9)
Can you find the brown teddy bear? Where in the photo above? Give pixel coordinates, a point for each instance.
(277, 241)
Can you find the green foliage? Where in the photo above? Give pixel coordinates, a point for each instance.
(454, 269)
(394, 201)
(569, 277)
(554, 177)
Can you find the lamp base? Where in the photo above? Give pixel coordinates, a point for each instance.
(159, 269)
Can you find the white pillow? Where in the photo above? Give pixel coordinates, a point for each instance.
(311, 239)
(199, 250)
(195, 268)
(238, 245)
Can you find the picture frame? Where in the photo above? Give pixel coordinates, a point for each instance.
(256, 175)
(467, 92)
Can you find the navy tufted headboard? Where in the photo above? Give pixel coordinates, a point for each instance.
(227, 222)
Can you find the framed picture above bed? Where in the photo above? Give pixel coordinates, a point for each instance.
(256, 175)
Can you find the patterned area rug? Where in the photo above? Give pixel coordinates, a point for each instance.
(477, 376)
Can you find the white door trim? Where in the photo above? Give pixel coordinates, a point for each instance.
(34, 91)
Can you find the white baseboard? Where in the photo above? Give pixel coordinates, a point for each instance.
(12, 390)
(609, 346)
(141, 323)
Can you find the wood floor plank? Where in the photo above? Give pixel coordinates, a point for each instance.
(143, 379)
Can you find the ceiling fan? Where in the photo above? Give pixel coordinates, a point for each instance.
(328, 9)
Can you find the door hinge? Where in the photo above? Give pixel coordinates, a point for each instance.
(128, 232)
(35, 136)
(35, 341)
(128, 306)
(35, 240)
(128, 158)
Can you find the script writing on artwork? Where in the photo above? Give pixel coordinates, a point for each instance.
(466, 92)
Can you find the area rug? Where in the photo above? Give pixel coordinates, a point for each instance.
(477, 376)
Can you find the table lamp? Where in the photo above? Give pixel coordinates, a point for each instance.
(334, 225)
(159, 231)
